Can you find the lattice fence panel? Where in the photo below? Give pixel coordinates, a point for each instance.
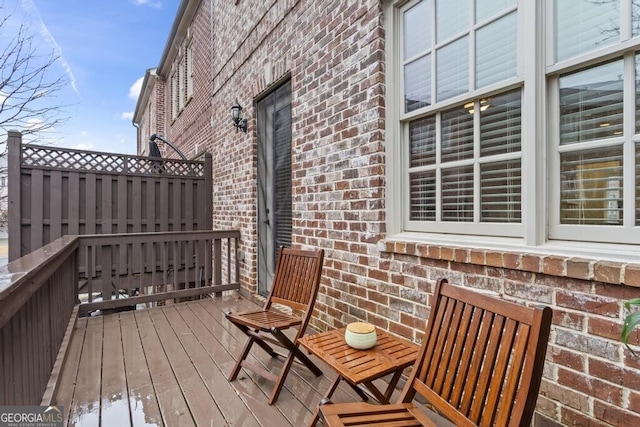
(90, 161)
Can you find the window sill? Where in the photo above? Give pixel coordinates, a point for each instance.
(602, 263)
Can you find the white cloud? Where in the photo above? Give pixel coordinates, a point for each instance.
(152, 3)
(127, 115)
(134, 90)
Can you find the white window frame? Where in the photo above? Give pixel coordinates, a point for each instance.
(174, 95)
(189, 83)
(538, 75)
(625, 50)
(402, 187)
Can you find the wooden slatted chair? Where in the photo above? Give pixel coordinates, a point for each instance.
(295, 285)
(480, 363)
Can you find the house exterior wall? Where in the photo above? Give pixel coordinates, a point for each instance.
(334, 54)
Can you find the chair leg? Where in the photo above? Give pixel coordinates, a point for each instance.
(243, 355)
(280, 381)
(295, 350)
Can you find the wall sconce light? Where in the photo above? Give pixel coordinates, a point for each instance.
(238, 121)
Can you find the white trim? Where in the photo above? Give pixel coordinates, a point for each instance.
(393, 148)
(599, 251)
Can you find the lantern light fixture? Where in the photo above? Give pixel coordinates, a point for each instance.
(236, 115)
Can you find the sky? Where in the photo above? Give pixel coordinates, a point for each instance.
(104, 48)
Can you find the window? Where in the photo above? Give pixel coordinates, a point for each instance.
(189, 71)
(595, 132)
(464, 157)
(514, 127)
(174, 95)
(182, 81)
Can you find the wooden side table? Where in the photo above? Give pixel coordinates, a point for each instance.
(390, 355)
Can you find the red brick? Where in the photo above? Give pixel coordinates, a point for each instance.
(620, 292)
(511, 260)
(604, 328)
(469, 268)
(570, 417)
(401, 330)
(493, 259)
(434, 252)
(422, 251)
(615, 415)
(632, 275)
(565, 396)
(608, 371)
(608, 272)
(446, 253)
(554, 266)
(461, 255)
(579, 268)
(547, 407)
(634, 401)
(602, 390)
(476, 256)
(588, 303)
(531, 263)
(412, 321)
(563, 357)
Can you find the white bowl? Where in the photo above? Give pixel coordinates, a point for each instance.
(360, 335)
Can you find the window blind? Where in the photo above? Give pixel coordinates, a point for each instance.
(501, 188)
(500, 124)
(591, 187)
(457, 194)
(422, 189)
(591, 103)
(457, 134)
(422, 142)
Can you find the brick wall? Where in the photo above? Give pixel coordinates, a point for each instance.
(333, 52)
(191, 129)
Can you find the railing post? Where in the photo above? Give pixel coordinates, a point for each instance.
(14, 162)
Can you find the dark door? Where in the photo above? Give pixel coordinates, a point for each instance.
(274, 180)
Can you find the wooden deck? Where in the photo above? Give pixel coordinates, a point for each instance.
(169, 366)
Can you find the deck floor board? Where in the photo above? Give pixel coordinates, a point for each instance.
(143, 403)
(169, 366)
(85, 406)
(114, 405)
(69, 371)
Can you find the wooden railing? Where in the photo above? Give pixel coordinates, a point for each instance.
(40, 293)
(37, 299)
(128, 269)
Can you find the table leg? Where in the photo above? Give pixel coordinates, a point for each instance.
(392, 384)
(358, 390)
(385, 397)
(325, 398)
(376, 393)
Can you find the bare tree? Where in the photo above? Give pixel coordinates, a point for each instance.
(28, 83)
(29, 87)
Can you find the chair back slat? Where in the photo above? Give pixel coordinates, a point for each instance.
(297, 277)
(481, 359)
